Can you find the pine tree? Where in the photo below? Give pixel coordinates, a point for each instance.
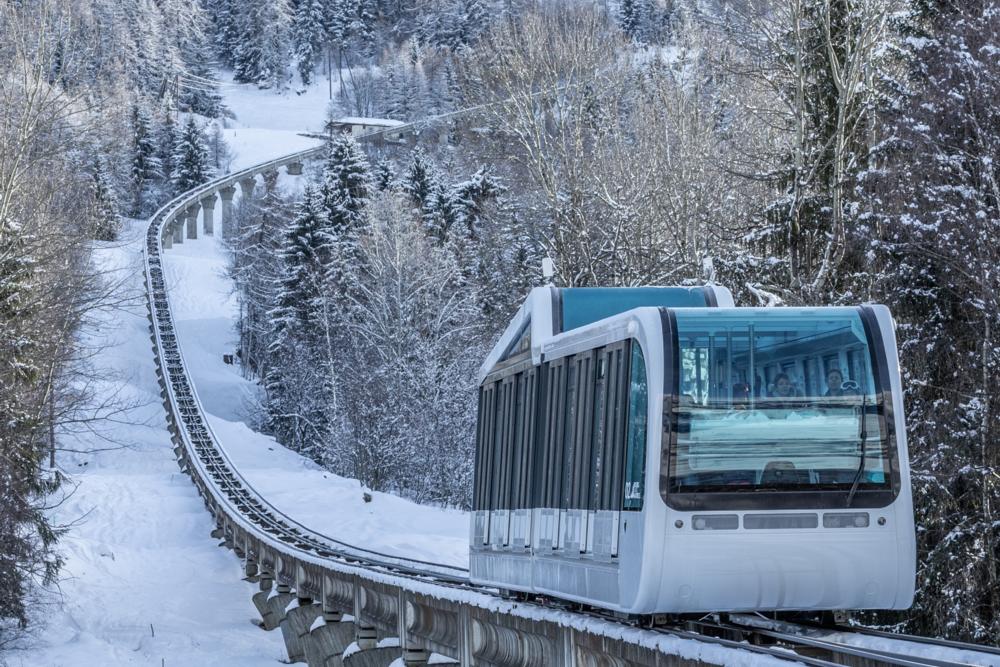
(421, 179)
(166, 144)
(145, 163)
(106, 221)
(226, 20)
(439, 212)
(473, 196)
(347, 185)
(296, 382)
(385, 175)
(191, 161)
(304, 253)
(262, 51)
(308, 36)
(629, 17)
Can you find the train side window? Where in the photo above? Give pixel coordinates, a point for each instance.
(581, 470)
(565, 462)
(550, 451)
(481, 453)
(499, 431)
(523, 440)
(635, 452)
(599, 432)
(487, 445)
(618, 418)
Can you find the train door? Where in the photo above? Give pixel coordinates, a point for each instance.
(499, 530)
(548, 457)
(607, 458)
(486, 428)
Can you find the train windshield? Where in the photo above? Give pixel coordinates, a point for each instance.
(776, 400)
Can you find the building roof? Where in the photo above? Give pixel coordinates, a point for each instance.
(374, 122)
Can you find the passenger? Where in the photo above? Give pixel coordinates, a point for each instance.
(836, 386)
(782, 387)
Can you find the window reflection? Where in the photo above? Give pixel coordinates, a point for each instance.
(774, 399)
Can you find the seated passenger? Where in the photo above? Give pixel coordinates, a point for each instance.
(836, 386)
(782, 387)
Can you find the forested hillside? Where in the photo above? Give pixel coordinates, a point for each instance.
(800, 152)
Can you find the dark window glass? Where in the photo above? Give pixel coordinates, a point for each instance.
(638, 410)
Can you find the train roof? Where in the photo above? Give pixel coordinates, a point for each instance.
(550, 311)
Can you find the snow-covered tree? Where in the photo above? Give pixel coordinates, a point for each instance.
(106, 221)
(191, 159)
(298, 392)
(413, 333)
(145, 163)
(308, 36)
(263, 48)
(421, 179)
(930, 252)
(166, 144)
(347, 185)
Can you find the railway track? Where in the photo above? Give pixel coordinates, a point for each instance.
(317, 565)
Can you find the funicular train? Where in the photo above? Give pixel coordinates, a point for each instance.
(659, 451)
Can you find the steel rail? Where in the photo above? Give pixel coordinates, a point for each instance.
(881, 656)
(917, 639)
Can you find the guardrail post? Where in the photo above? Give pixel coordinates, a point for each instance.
(192, 220)
(208, 214)
(413, 653)
(226, 195)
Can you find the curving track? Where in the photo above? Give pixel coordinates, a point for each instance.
(429, 606)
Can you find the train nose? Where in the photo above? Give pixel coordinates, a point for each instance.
(741, 571)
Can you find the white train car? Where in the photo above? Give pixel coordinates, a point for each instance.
(671, 460)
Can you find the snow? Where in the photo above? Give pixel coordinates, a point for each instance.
(291, 110)
(144, 584)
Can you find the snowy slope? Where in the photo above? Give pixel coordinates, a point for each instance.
(144, 584)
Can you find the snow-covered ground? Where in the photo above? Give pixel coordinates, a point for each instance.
(144, 584)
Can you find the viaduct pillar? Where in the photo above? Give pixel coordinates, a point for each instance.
(208, 214)
(226, 195)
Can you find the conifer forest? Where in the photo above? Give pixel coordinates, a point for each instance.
(798, 152)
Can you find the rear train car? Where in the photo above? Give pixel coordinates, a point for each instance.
(659, 459)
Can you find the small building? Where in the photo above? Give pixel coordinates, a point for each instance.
(357, 126)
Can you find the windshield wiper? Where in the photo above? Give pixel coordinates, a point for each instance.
(864, 441)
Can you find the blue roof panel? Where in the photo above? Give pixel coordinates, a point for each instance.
(584, 305)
